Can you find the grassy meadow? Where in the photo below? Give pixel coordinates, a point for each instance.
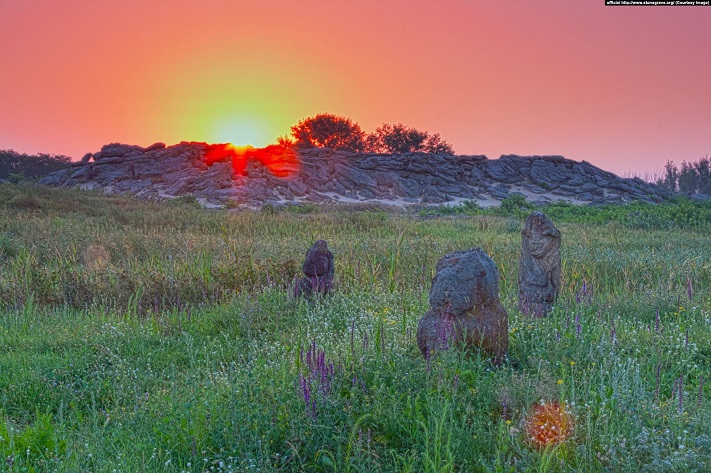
(139, 336)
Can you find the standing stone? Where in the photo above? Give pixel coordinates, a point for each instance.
(464, 307)
(539, 267)
(318, 271)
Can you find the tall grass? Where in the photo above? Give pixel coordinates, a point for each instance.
(139, 336)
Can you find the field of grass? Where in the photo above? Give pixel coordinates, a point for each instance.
(138, 336)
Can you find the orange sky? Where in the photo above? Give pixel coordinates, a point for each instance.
(625, 88)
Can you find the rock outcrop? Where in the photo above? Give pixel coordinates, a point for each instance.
(464, 307)
(539, 265)
(318, 271)
(324, 175)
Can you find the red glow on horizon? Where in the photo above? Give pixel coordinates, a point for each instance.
(278, 160)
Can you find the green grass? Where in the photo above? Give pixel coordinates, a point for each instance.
(138, 336)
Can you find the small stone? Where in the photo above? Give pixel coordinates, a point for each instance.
(318, 272)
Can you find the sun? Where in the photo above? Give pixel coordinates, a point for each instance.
(242, 131)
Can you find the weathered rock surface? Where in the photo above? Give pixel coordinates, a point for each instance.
(324, 175)
(464, 307)
(539, 265)
(318, 271)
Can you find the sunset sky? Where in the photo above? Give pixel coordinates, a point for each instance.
(626, 88)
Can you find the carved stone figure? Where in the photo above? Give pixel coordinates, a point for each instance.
(464, 307)
(539, 267)
(318, 271)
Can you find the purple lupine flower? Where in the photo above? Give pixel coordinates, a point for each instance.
(324, 383)
(578, 327)
(656, 322)
(701, 391)
(659, 380)
(583, 295)
(689, 289)
(316, 376)
(526, 304)
(557, 335)
(305, 389)
(680, 407)
(445, 329)
(686, 338)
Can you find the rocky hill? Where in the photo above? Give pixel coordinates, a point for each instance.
(218, 174)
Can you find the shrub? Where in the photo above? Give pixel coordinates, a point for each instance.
(401, 139)
(328, 131)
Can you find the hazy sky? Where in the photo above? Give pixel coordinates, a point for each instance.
(625, 88)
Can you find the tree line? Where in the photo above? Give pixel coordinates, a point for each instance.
(690, 178)
(16, 166)
(327, 130)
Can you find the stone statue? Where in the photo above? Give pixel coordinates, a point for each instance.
(539, 267)
(318, 271)
(464, 307)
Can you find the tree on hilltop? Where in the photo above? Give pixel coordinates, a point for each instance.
(326, 130)
(401, 139)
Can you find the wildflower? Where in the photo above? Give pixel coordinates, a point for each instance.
(560, 381)
(505, 408)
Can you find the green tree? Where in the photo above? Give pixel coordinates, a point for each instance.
(402, 139)
(694, 177)
(326, 130)
(30, 166)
